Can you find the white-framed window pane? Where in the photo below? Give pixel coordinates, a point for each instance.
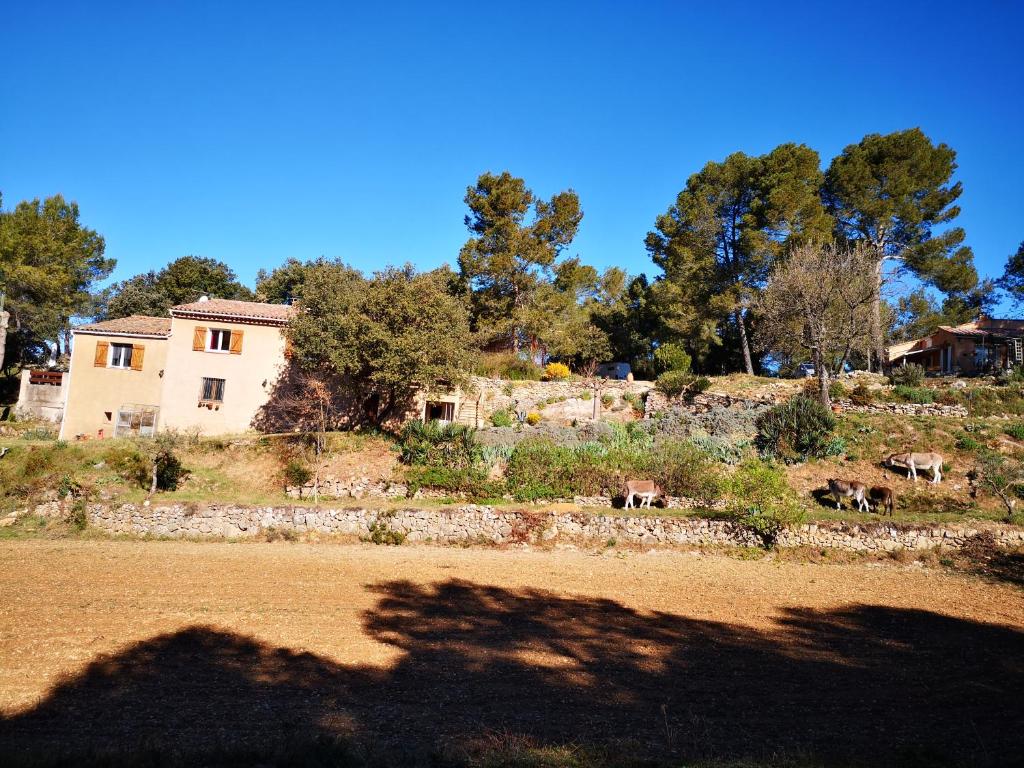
(220, 340)
(120, 355)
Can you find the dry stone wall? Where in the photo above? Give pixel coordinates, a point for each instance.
(484, 524)
(559, 401)
(705, 401)
(905, 409)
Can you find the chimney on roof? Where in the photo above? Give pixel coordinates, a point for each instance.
(204, 297)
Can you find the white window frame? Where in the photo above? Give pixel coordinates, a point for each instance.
(447, 408)
(110, 356)
(223, 336)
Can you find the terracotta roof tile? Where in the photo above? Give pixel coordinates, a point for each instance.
(241, 310)
(134, 325)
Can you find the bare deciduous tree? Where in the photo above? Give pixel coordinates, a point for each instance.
(309, 402)
(1001, 475)
(820, 297)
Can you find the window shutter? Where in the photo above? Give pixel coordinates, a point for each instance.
(199, 339)
(236, 342)
(138, 354)
(102, 347)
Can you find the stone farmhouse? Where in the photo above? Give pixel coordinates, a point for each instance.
(208, 367)
(985, 345)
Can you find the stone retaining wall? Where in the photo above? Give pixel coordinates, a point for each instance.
(705, 401)
(483, 524)
(555, 401)
(905, 409)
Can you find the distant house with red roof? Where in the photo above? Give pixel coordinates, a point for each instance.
(984, 345)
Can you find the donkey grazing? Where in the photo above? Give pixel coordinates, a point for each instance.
(883, 497)
(845, 489)
(916, 461)
(646, 490)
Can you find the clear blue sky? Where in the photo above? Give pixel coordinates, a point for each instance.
(252, 132)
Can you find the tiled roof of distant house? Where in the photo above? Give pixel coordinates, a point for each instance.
(231, 309)
(134, 325)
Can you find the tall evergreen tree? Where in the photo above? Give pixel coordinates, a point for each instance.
(1012, 280)
(49, 267)
(180, 282)
(893, 192)
(515, 244)
(717, 243)
(286, 282)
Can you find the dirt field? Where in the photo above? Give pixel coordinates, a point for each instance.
(211, 648)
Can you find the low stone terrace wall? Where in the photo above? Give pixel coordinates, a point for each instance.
(705, 401)
(484, 524)
(905, 409)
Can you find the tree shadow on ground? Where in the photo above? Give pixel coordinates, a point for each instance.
(982, 556)
(479, 665)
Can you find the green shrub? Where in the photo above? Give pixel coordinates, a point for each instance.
(129, 462)
(861, 395)
(1016, 431)
(721, 449)
(635, 401)
(837, 391)
(28, 470)
(381, 531)
(701, 384)
(586, 395)
(761, 499)
(949, 397)
(169, 469)
(967, 443)
(671, 357)
(607, 399)
(134, 462)
(994, 401)
(674, 383)
(501, 418)
(79, 518)
(68, 486)
(683, 469)
(297, 473)
(507, 365)
(438, 445)
(919, 395)
(835, 447)
(470, 482)
(910, 375)
(540, 469)
(797, 429)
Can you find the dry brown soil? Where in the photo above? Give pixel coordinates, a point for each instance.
(116, 644)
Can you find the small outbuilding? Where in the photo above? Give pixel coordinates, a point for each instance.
(986, 345)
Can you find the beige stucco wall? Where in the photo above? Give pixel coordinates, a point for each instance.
(40, 401)
(249, 377)
(94, 392)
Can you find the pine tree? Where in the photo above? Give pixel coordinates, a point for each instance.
(893, 192)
